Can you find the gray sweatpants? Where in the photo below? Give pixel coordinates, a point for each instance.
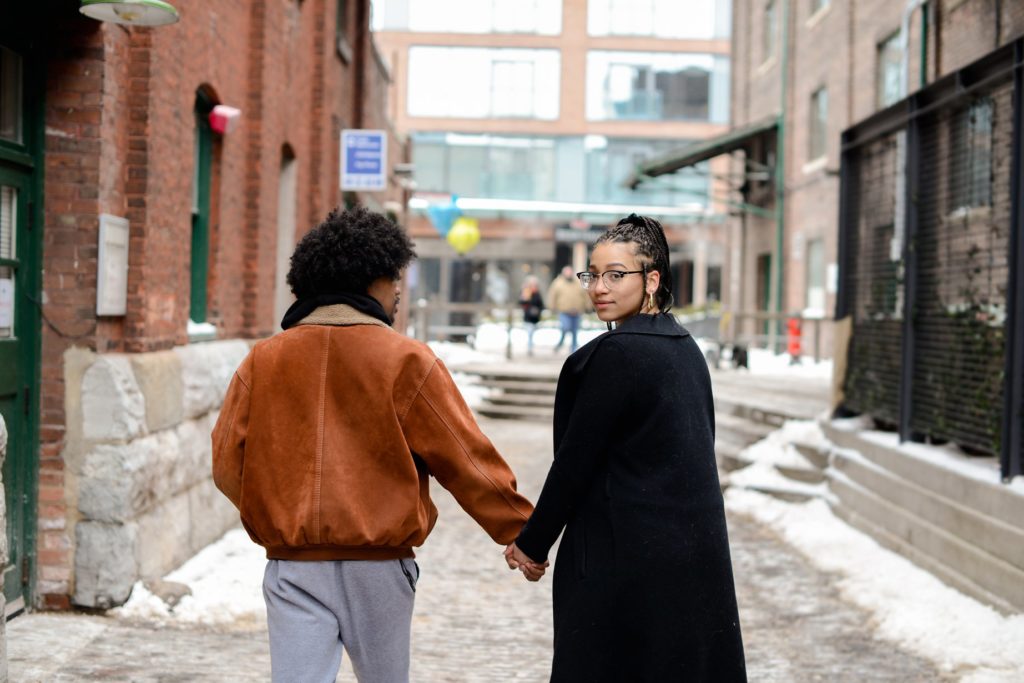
(314, 609)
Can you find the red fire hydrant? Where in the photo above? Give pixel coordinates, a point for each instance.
(793, 340)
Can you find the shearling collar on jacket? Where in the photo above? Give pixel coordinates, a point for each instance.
(341, 315)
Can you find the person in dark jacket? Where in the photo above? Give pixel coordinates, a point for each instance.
(643, 584)
(533, 305)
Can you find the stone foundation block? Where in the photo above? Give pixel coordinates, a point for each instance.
(113, 408)
(105, 565)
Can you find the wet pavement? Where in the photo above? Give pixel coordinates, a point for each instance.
(477, 621)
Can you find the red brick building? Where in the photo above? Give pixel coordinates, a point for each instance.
(803, 72)
(108, 125)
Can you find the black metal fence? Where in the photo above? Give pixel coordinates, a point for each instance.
(931, 258)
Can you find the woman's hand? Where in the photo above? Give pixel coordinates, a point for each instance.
(517, 559)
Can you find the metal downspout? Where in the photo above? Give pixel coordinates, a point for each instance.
(780, 171)
(924, 46)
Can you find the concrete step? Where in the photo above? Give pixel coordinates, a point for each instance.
(789, 495)
(728, 456)
(801, 474)
(512, 412)
(813, 454)
(954, 560)
(738, 429)
(520, 386)
(524, 399)
(989, 535)
(953, 481)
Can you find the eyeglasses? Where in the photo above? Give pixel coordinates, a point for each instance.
(611, 277)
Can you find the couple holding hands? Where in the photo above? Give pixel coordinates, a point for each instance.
(330, 432)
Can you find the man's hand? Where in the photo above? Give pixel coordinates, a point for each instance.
(517, 559)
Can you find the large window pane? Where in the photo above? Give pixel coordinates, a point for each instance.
(657, 86)
(543, 17)
(537, 168)
(818, 134)
(701, 19)
(609, 161)
(10, 95)
(888, 82)
(483, 82)
(815, 299)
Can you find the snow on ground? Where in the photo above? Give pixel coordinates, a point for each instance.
(225, 578)
(909, 605)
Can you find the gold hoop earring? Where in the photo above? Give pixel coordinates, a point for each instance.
(650, 300)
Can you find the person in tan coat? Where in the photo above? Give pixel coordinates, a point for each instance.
(569, 301)
(328, 437)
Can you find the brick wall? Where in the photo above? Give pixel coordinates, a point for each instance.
(120, 139)
(837, 48)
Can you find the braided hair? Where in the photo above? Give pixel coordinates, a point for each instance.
(651, 250)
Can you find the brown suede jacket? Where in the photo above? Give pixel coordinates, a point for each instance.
(328, 436)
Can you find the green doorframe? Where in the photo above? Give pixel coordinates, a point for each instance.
(200, 258)
(27, 160)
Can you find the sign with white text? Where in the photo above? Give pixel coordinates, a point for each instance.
(364, 160)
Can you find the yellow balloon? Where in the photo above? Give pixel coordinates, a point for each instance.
(464, 235)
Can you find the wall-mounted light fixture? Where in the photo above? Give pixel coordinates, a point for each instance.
(131, 12)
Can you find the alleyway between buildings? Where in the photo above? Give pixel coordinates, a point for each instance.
(477, 621)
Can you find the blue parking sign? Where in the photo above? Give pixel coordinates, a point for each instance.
(364, 160)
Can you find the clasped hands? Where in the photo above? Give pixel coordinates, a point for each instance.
(517, 559)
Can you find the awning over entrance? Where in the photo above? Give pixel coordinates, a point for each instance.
(738, 138)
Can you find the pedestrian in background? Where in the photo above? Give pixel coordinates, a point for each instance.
(326, 442)
(643, 585)
(533, 305)
(570, 302)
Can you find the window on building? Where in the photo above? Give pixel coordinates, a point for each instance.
(888, 74)
(714, 292)
(768, 31)
(521, 167)
(10, 95)
(815, 285)
(448, 82)
(657, 86)
(541, 17)
(512, 88)
(610, 160)
(499, 167)
(700, 19)
(818, 129)
(341, 31)
(970, 179)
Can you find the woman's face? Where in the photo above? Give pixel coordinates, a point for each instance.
(616, 302)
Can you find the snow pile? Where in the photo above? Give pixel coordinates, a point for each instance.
(226, 579)
(764, 362)
(777, 448)
(910, 606)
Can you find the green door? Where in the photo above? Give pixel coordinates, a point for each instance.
(19, 322)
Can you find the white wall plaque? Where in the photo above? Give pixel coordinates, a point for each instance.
(112, 267)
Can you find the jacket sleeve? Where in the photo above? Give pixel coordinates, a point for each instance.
(603, 401)
(440, 428)
(230, 432)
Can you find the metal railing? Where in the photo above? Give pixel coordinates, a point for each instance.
(931, 218)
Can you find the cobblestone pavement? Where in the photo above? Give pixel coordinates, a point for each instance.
(477, 621)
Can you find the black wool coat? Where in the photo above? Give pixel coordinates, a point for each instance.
(643, 584)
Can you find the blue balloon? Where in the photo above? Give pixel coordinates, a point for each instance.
(443, 216)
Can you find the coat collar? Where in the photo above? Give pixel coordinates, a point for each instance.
(340, 315)
(661, 325)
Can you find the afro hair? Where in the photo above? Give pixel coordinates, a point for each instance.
(346, 253)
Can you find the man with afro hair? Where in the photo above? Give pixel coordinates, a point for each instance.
(325, 443)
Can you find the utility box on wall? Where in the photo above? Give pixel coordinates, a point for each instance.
(112, 266)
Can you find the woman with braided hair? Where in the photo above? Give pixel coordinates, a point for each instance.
(643, 584)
